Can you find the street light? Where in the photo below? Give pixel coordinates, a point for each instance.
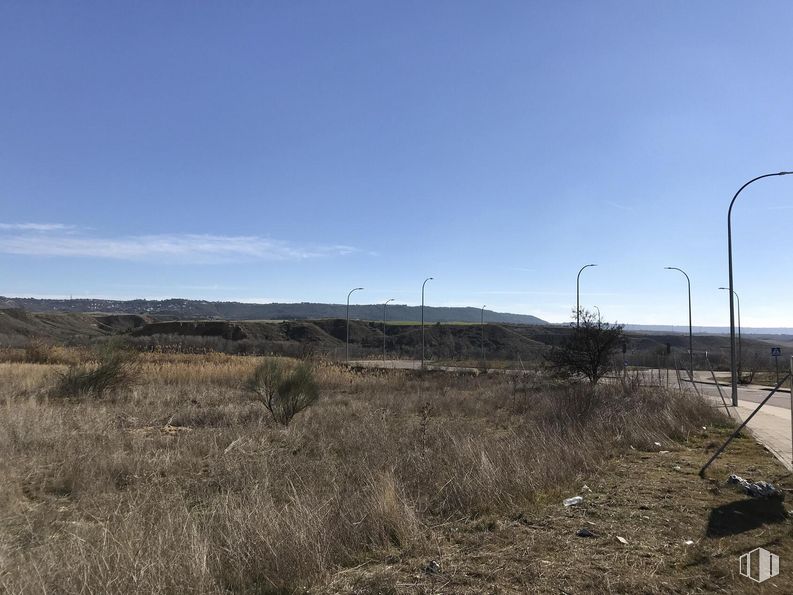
(740, 345)
(347, 343)
(733, 368)
(578, 293)
(690, 328)
(422, 319)
(483, 335)
(384, 305)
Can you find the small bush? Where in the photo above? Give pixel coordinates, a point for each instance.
(39, 352)
(284, 393)
(113, 372)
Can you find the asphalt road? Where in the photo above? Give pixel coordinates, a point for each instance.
(705, 384)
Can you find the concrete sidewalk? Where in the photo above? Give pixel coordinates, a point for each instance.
(770, 427)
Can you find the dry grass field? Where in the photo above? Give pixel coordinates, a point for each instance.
(180, 482)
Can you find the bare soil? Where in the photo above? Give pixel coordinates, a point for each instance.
(655, 501)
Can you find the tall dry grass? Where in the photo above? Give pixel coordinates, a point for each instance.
(181, 483)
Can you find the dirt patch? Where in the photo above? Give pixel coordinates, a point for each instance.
(682, 534)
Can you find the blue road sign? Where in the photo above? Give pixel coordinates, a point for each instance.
(776, 351)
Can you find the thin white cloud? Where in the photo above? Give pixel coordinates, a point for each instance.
(36, 226)
(617, 205)
(162, 248)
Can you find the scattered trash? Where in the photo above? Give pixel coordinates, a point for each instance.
(586, 488)
(688, 542)
(704, 427)
(657, 443)
(622, 540)
(432, 567)
(584, 533)
(760, 489)
(574, 501)
(676, 467)
(663, 452)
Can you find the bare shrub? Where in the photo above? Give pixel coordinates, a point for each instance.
(39, 352)
(284, 393)
(588, 349)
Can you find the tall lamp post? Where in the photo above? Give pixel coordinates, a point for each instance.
(384, 305)
(422, 319)
(733, 368)
(483, 335)
(347, 342)
(690, 327)
(578, 293)
(740, 344)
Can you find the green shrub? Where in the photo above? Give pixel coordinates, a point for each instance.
(284, 393)
(113, 372)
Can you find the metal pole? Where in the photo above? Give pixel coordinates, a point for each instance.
(718, 386)
(743, 424)
(422, 319)
(740, 344)
(347, 342)
(578, 294)
(733, 367)
(483, 335)
(690, 327)
(384, 305)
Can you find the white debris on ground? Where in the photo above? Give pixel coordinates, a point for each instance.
(759, 489)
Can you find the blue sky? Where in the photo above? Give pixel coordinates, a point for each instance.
(288, 151)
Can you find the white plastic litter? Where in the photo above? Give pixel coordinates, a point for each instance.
(622, 540)
(759, 489)
(574, 501)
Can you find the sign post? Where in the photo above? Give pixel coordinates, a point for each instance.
(775, 353)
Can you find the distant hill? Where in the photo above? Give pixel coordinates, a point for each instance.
(707, 330)
(327, 336)
(184, 309)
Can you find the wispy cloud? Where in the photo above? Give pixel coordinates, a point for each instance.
(617, 205)
(36, 226)
(54, 240)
